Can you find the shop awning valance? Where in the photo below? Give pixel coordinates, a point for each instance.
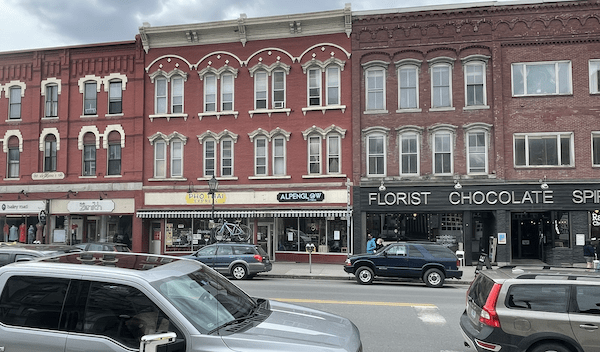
(207, 214)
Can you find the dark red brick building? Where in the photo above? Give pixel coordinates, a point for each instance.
(477, 127)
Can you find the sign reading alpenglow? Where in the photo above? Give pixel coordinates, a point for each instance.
(301, 197)
(91, 206)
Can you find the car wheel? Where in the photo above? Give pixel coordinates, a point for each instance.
(434, 278)
(364, 275)
(239, 272)
(550, 347)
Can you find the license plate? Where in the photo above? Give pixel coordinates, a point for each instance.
(472, 313)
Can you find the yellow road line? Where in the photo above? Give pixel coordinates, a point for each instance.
(362, 303)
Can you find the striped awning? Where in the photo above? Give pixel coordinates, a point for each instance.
(308, 213)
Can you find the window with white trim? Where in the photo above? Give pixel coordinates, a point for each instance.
(375, 88)
(314, 155)
(160, 159)
(441, 86)
(542, 78)
(314, 87)
(176, 157)
(160, 95)
(334, 155)
(260, 156)
(169, 92)
(279, 168)
(260, 90)
(443, 152)
(114, 153)
(13, 158)
(596, 148)
(219, 90)
(333, 82)
(409, 153)
(475, 83)
(210, 154)
(210, 93)
(50, 148)
(176, 95)
(115, 97)
(408, 87)
(51, 101)
(227, 92)
(376, 155)
(544, 149)
(594, 72)
(226, 157)
(89, 154)
(278, 89)
(477, 152)
(90, 96)
(14, 102)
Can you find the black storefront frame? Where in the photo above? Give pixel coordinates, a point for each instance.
(501, 200)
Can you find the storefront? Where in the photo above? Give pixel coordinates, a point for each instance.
(283, 223)
(20, 220)
(510, 222)
(73, 221)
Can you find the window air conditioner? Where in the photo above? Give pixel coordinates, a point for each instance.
(278, 105)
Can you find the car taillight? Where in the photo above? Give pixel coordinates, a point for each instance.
(457, 263)
(488, 314)
(258, 257)
(348, 262)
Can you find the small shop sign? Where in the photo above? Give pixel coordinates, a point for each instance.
(301, 196)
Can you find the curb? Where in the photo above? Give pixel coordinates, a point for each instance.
(349, 277)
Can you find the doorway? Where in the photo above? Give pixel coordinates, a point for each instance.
(528, 231)
(264, 237)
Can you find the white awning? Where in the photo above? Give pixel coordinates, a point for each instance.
(308, 213)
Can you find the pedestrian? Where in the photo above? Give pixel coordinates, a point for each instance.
(379, 244)
(589, 253)
(371, 244)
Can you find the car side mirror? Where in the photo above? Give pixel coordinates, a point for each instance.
(149, 343)
(385, 254)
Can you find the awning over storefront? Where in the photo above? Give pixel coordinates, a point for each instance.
(160, 214)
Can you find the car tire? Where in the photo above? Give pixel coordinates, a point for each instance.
(239, 272)
(550, 347)
(434, 278)
(364, 275)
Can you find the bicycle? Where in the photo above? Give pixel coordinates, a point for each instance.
(228, 231)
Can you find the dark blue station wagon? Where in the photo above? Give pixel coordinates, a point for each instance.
(428, 261)
(240, 260)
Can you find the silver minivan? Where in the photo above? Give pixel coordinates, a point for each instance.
(100, 301)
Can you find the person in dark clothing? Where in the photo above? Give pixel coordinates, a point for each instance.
(589, 253)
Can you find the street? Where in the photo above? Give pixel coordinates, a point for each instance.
(391, 316)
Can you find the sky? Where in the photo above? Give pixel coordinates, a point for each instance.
(34, 24)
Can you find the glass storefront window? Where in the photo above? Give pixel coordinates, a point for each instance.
(186, 235)
(328, 236)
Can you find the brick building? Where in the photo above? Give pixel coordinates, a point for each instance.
(263, 105)
(477, 127)
(65, 116)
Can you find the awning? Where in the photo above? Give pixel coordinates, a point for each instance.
(207, 214)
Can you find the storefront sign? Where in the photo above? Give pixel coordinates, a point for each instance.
(38, 176)
(301, 197)
(23, 207)
(91, 206)
(205, 198)
(595, 219)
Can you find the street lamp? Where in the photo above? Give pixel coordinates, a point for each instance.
(213, 184)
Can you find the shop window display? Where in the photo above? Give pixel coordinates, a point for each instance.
(328, 236)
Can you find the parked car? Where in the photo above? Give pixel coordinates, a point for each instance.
(103, 247)
(240, 260)
(533, 309)
(428, 261)
(124, 302)
(17, 252)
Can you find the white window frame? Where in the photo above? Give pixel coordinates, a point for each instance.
(176, 95)
(110, 171)
(416, 154)
(382, 155)
(91, 161)
(224, 157)
(227, 89)
(257, 156)
(435, 69)
(13, 165)
(333, 85)
(315, 158)
(526, 143)
(595, 148)
(160, 172)
(377, 91)
(114, 86)
(14, 100)
(51, 101)
(161, 96)
(469, 83)
(334, 139)
(521, 69)
(314, 87)
(438, 151)
(594, 72)
(264, 88)
(401, 89)
(277, 157)
(210, 91)
(477, 150)
(206, 158)
(175, 158)
(277, 104)
(88, 111)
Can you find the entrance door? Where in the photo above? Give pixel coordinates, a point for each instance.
(528, 231)
(264, 237)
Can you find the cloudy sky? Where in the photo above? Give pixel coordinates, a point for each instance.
(32, 24)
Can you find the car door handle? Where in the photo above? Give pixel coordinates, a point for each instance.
(589, 327)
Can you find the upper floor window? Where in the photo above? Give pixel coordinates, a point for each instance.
(334, 154)
(541, 78)
(176, 158)
(114, 153)
(594, 72)
(375, 88)
(279, 156)
(215, 82)
(210, 93)
(441, 82)
(160, 159)
(14, 103)
(14, 157)
(51, 101)
(442, 154)
(115, 97)
(168, 154)
(333, 81)
(168, 91)
(227, 92)
(408, 87)
(323, 84)
(176, 95)
(314, 155)
(273, 164)
(270, 86)
(89, 98)
(314, 87)
(543, 149)
(50, 148)
(226, 157)
(260, 90)
(477, 152)
(89, 154)
(474, 67)
(376, 150)
(409, 152)
(260, 156)
(315, 136)
(218, 157)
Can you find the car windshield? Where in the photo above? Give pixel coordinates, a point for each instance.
(206, 299)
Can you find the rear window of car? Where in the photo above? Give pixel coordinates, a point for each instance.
(243, 250)
(480, 290)
(541, 298)
(439, 251)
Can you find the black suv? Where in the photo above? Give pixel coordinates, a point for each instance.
(428, 261)
(533, 309)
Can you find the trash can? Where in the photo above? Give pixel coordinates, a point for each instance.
(596, 265)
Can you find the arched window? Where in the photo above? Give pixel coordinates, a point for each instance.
(89, 154)
(13, 157)
(114, 153)
(50, 153)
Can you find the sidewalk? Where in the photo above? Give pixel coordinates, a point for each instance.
(293, 270)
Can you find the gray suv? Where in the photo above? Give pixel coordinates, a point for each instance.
(125, 302)
(533, 309)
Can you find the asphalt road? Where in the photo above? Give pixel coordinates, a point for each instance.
(391, 316)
